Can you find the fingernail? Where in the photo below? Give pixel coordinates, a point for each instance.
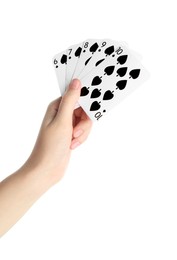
(78, 133)
(75, 84)
(75, 144)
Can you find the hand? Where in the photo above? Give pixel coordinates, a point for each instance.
(62, 130)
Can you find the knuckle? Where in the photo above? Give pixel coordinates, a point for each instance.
(50, 105)
(53, 103)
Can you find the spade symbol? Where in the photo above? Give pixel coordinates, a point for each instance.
(84, 91)
(87, 61)
(95, 93)
(109, 50)
(98, 62)
(134, 73)
(108, 95)
(121, 84)
(78, 52)
(96, 81)
(94, 47)
(109, 70)
(122, 59)
(63, 59)
(121, 71)
(94, 106)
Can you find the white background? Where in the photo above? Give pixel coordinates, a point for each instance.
(118, 198)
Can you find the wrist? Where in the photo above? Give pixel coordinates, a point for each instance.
(37, 178)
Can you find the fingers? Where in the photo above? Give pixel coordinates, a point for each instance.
(69, 99)
(81, 132)
(63, 110)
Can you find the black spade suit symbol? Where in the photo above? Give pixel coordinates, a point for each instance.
(108, 95)
(122, 71)
(87, 61)
(121, 84)
(98, 62)
(109, 50)
(109, 70)
(96, 81)
(63, 59)
(95, 93)
(134, 73)
(78, 52)
(122, 59)
(94, 47)
(94, 106)
(84, 91)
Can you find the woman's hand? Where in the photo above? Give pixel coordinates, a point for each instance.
(63, 129)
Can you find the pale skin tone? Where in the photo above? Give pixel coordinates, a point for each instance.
(63, 129)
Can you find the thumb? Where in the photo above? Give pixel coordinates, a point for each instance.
(69, 99)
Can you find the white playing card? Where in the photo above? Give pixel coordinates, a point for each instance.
(110, 82)
(106, 48)
(73, 54)
(59, 62)
(88, 49)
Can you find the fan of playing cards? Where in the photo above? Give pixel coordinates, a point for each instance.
(107, 69)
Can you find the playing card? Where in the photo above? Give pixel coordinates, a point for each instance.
(89, 47)
(110, 82)
(108, 71)
(106, 48)
(73, 54)
(59, 62)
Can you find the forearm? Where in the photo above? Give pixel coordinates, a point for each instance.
(18, 192)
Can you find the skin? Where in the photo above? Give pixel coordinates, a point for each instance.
(63, 129)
